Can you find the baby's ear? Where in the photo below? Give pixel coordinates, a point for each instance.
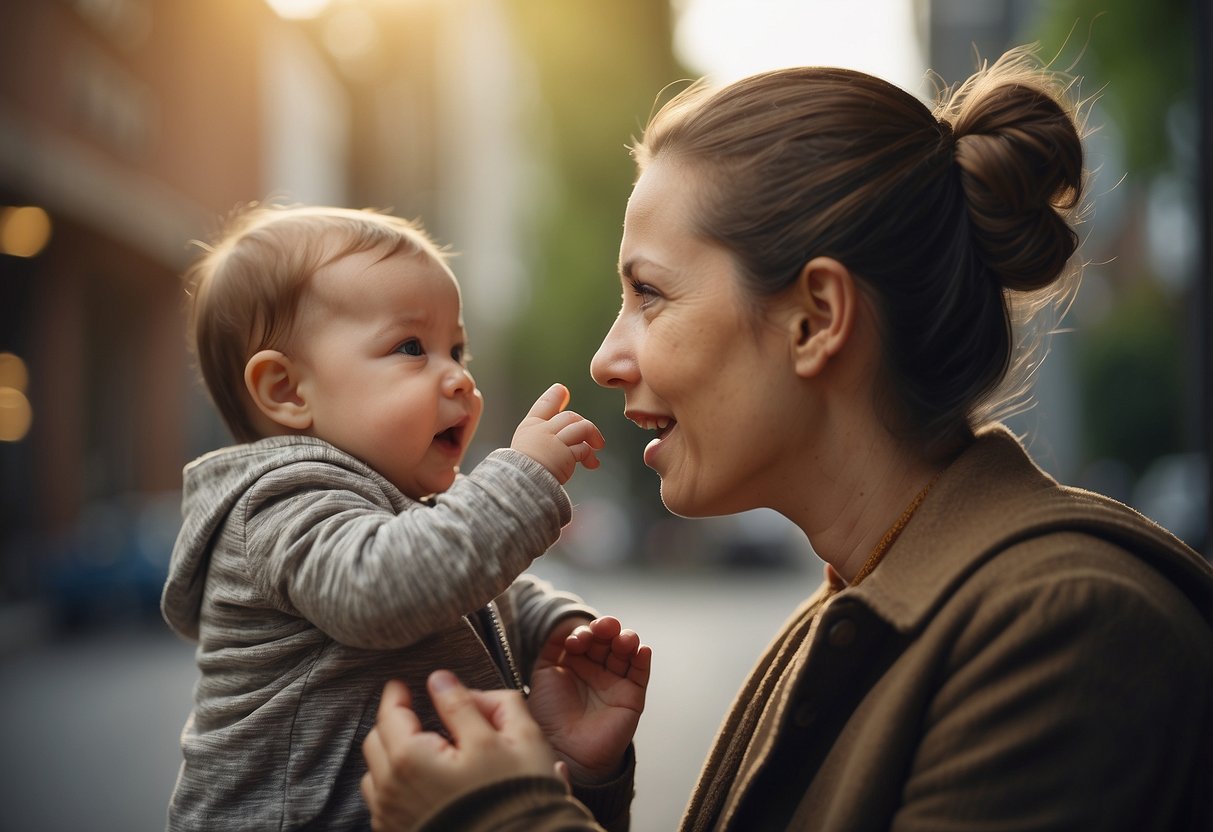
(273, 382)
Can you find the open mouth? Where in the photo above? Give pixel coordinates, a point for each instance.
(661, 425)
(451, 438)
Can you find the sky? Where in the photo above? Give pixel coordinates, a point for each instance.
(728, 39)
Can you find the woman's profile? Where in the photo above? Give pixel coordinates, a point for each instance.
(822, 287)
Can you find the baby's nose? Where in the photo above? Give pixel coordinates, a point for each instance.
(458, 380)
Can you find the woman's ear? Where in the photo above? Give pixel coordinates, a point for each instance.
(826, 298)
(273, 382)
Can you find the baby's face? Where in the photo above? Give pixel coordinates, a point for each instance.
(380, 346)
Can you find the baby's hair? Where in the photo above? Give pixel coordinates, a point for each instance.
(942, 216)
(243, 292)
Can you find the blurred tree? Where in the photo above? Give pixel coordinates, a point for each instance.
(1144, 57)
(600, 68)
(1131, 379)
(1137, 376)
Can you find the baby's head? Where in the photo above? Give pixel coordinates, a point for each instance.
(342, 324)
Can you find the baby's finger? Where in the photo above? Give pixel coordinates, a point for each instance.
(550, 403)
(642, 662)
(554, 647)
(598, 651)
(623, 648)
(563, 419)
(582, 430)
(584, 454)
(606, 627)
(625, 644)
(579, 641)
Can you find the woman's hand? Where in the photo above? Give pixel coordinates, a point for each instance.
(412, 773)
(587, 693)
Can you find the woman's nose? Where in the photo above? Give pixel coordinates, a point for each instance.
(614, 365)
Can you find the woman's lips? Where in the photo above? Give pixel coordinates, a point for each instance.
(652, 449)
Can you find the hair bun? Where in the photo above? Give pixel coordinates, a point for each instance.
(1020, 158)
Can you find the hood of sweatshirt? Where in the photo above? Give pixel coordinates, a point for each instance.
(212, 485)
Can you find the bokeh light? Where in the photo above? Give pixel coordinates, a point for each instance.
(298, 9)
(15, 411)
(12, 372)
(351, 34)
(24, 230)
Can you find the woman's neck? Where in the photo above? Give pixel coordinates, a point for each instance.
(856, 495)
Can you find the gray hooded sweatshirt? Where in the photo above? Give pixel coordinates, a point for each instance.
(308, 580)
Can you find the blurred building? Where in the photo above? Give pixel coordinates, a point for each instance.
(129, 128)
(1122, 401)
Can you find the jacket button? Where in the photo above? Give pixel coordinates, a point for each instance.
(842, 633)
(803, 715)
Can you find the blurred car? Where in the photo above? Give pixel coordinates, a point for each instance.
(112, 565)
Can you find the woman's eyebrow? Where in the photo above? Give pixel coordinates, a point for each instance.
(628, 267)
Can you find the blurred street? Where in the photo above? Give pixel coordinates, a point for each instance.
(89, 724)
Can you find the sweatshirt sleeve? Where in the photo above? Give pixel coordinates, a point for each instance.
(536, 608)
(325, 544)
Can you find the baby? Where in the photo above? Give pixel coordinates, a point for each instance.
(338, 546)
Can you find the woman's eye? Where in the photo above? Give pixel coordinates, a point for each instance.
(644, 291)
(411, 347)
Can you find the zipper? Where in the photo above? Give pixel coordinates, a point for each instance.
(498, 646)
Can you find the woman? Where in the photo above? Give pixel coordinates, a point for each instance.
(820, 276)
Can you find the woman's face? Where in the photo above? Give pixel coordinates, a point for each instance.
(695, 366)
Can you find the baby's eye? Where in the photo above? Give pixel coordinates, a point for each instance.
(460, 353)
(411, 347)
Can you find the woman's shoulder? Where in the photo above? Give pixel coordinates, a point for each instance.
(994, 522)
(1075, 537)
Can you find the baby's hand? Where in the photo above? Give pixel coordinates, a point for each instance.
(587, 693)
(557, 438)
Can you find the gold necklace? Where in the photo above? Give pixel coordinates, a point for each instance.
(892, 534)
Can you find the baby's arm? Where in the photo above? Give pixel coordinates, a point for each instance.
(557, 438)
(587, 694)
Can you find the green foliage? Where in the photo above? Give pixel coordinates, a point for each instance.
(1139, 60)
(600, 67)
(1132, 391)
(1143, 57)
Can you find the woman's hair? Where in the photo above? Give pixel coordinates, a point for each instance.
(941, 216)
(243, 292)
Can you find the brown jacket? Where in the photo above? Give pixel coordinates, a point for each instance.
(1027, 656)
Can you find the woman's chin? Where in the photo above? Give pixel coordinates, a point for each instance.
(698, 504)
(682, 504)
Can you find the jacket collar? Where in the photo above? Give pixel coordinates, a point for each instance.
(991, 497)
